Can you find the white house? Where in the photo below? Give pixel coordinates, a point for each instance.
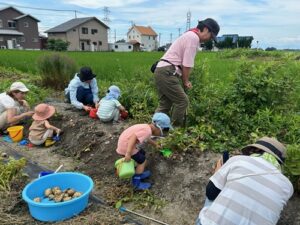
(142, 38)
(120, 47)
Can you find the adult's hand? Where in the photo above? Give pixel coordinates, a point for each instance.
(188, 85)
(86, 108)
(29, 113)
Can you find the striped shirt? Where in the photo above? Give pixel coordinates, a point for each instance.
(253, 192)
(107, 107)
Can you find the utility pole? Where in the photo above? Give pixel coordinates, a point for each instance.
(75, 14)
(179, 29)
(171, 38)
(115, 35)
(188, 20)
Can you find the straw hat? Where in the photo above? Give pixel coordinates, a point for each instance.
(269, 145)
(43, 112)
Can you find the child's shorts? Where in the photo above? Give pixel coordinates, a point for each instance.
(139, 157)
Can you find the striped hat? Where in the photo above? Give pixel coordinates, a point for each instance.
(269, 145)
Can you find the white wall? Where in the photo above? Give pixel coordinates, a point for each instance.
(121, 47)
(149, 43)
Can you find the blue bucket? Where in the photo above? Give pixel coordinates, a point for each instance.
(50, 211)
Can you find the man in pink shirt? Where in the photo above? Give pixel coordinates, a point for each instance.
(176, 65)
(132, 137)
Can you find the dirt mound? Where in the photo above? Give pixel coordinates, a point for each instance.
(179, 182)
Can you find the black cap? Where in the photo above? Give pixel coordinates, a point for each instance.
(86, 74)
(213, 27)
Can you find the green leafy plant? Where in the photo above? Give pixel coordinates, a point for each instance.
(56, 70)
(292, 165)
(9, 171)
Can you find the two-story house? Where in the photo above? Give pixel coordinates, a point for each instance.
(83, 34)
(142, 38)
(18, 30)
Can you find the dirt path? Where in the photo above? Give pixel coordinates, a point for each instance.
(179, 182)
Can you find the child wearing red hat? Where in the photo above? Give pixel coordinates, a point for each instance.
(41, 131)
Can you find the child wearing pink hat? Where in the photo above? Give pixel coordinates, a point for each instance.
(41, 131)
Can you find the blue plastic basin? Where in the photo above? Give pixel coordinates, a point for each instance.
(49, 210)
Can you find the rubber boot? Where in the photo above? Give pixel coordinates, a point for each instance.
(138, 185)
(144, 175)
(49, 142)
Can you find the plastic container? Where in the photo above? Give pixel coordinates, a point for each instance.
(125, 170)
(15, 133)
(50, 211)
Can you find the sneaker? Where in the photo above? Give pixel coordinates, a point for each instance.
(144, 175)
(49, 142)
(138, 185)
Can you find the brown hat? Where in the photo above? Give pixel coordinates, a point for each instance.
(270, 145)
(43, 112)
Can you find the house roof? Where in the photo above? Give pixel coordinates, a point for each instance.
(20, 17)
(64, 27)
(2, 9)
(134, 42)
(144, 30)
(11, 32)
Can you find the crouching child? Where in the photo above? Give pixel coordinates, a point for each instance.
(109, 106)
(41, 131)
(130, 140)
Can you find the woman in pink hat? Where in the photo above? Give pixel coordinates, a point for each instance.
(41, 131)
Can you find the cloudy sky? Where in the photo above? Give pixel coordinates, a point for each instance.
(271, 22)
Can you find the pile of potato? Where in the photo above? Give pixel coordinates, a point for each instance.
(57, 195)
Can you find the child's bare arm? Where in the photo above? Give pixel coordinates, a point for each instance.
(153, 143)
(122, 108)
(131, 145)
(49, 126)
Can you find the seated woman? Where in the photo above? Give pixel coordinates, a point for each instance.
(82, 91)
(13, 107)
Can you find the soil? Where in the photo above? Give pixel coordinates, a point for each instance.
(88, 146)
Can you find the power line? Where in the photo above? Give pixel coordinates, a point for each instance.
(37, 8)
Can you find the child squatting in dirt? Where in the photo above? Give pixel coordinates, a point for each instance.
(41, 131)
(109, 107)
(129, 145)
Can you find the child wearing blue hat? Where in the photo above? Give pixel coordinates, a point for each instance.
(109, 106)
(132, 137)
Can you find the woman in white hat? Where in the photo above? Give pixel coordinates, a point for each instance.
(13, 106)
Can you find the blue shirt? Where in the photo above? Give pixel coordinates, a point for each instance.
(72, 89)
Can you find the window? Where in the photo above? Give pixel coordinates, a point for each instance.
(94, 43)
(116, 46)
(129, 36)
(100, 43)
(137, 35)
(34, 40)
(153, 38)
(11, 24)
(84, 30)
(22, 39)
(74, 30)
(1, 39)
(88, 42)
(26, 24)
(1, 24)
(149, 37)
(94, 31)
(129, 46)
